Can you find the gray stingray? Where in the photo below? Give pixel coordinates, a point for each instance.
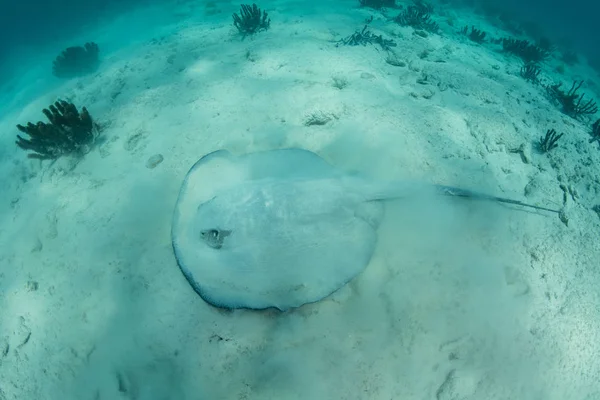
(279, 228)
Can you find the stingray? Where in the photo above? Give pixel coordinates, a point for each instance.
(281, 228)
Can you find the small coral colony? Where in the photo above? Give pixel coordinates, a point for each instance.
(73, 132)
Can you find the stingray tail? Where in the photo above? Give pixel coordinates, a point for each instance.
(404, 190)
(458, 192)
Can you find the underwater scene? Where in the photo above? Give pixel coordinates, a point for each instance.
(303, 200)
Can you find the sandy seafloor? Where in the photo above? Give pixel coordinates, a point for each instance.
(461, 300)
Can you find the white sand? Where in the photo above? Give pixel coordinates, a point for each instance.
(461, 300)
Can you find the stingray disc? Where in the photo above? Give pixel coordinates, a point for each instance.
(271, 229)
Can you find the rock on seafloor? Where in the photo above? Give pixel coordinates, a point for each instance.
(154, 161)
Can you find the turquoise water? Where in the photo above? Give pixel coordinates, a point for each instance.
(460, 299)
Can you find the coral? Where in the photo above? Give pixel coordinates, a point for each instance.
(423, 6)
(548, 142)
(418, 16)
(251, 20)
(571, 102)
(530, 72)
(545, 44)
(339, 82)
(595, 132)
(476, 35)
(530, 53)
(76, 60)
(317, 118)
(365, 37)
(378, 4)
(69, 131)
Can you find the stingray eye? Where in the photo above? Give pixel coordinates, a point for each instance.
(210, 234)
(214, 237)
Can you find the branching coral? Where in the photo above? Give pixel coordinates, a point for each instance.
(378, 4)
(418, 16)
(76, 60)
(251, 20)
(476, 35)
(423, 6)
(571, 102)
(69, 131)
(365, 37)
(548, 142)
(530, 72)
(530, 53)
(595, 132)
